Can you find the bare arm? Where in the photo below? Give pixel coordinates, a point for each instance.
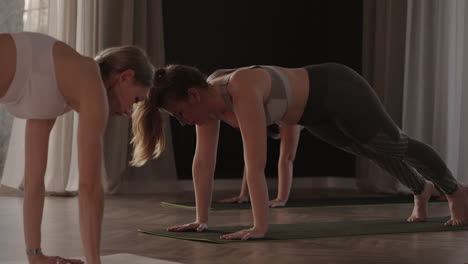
(203, 167)
(244, 188)
(92, 123)
(91, 197)
(248, 106)
(290, 135)
(36, 149)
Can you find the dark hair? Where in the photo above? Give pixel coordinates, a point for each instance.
(171, 82)
(119, 59)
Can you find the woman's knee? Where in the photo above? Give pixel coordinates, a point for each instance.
(395, 147)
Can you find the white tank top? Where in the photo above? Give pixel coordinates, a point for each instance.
(33, 93)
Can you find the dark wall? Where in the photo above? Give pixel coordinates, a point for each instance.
(212, 34)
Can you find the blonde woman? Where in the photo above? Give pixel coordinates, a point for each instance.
(42, 78)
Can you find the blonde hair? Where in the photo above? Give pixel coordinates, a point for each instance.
(148, 131)
(119, 59)
(147, 121)
(171, 82)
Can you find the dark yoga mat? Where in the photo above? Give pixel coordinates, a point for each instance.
(322, 202)
(316, 230)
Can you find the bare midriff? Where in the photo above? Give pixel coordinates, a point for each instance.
(299, 81)
(7, 62)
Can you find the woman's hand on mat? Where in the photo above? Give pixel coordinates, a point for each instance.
(42, 259)
(237, 199)
(277, 203)
(245, 234)
(194, 226)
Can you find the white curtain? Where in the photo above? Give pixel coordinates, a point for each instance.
(414, 55)
(89, 26)
(68, 21)
(436, 82)
(136, 22)
(384, 32)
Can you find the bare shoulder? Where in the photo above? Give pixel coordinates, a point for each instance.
(87, 70)
(71, 67)
(75, 67)
(249, 74)
(249, 81)
(76, 74)
(88, 80)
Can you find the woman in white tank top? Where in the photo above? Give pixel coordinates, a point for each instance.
(42, 78)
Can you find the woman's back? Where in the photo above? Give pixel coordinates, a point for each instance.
(33, 91)
(37, 68)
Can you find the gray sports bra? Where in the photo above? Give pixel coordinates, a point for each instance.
(277, 102)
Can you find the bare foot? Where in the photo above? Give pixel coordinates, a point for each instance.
(43, 259)
(458, 204)
(421, 201)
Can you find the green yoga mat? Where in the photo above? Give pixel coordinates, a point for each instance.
(323, 202)
(315, 230)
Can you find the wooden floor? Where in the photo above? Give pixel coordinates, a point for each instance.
(123, 214)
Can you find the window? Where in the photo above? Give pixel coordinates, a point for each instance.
(36, 15)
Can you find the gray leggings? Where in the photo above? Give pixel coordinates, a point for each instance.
(344, 111)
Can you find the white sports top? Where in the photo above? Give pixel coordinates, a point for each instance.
(33, 93)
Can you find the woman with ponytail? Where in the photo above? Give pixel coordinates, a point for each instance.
(148, 136)
(333, 103)
(147, 126)
(42, 78)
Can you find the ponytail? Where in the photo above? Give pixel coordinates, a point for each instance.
(148, 131)
(171, 82)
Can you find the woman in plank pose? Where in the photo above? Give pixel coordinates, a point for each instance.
(42, 78)
(333, 102)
